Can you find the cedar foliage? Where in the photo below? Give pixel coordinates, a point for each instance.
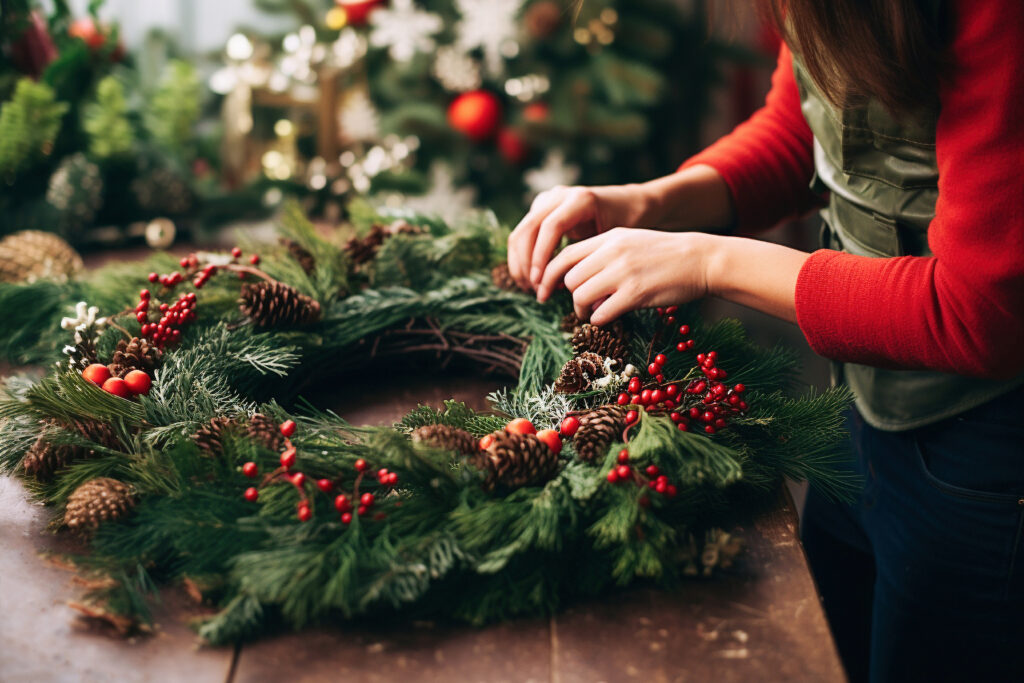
(447, 547)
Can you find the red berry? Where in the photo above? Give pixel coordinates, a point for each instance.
(324, 485)
(645, 396)
(720, 423)
(739, 388)
(672, 390)
(632, 416)
(623, 399)
(392, 479)
(651, 408)
(251, 494)
(681, 346)
(657, 396)
(634, 385)
(659, 378)
(299, 479)
(236, 252)
(183, 262)
(660, 310)
(660, 487)
(675, 417)
(734, 400)
(653, 369)
(690, 344)
(671, 320)
(709, 429)
(346, 518)
(708, 416)
(571, 424)
(288, 428)
(153, 277)
(366, 499)
(743, 405)
(117, 387)
(138, 382)
(305, 514)
(382, 474)
(671, 310)
(520, 425)
(163, 308)
(660, 359)
(683, 427)
(670, 490)
(635, 399)
(612, 476)
(288, 458)
(341, 503)
(652, 470)
(97, 373)
(361, 465)
(623, 456)
(623, 471)
(669, 404)
(486, 442)
(250, 470)
(254, 259)
(694, 413)
(551, 439)
(684, 330)
(701, 358)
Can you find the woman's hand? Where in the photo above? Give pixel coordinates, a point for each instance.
(625, 269)
(578, 212)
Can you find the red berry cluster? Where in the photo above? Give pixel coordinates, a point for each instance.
(342, 502)
(166, 330)
(718, 401)
(650, 477)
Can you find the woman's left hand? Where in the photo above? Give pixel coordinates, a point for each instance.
(626, 269)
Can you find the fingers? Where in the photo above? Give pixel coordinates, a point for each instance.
(614, 307)
(561, 264)
(521, 241)
(591, 292)
(577, 207)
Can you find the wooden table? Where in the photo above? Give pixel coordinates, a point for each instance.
(761, 622)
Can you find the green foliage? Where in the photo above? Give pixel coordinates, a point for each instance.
(174, 108)
(29, 124)
(106, 121)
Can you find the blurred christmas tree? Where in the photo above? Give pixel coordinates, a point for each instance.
(78, 126)
(469, 101)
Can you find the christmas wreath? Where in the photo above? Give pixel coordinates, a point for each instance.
(169, 434)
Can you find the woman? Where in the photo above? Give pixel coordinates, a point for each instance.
(904, 118)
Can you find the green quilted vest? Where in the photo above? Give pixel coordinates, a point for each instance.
(883, 182)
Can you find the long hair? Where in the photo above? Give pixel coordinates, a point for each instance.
(891, 50)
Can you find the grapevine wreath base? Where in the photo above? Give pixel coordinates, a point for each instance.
(169, 435)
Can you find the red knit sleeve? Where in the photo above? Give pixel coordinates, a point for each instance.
(767, 161)
(961, 310)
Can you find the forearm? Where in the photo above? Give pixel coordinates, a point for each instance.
(760, 275)
(694, 198)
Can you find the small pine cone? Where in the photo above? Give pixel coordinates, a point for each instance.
(44, 458)
(301, 255)
(516, 460)
(605, 343)
(274, 304)
(210, 437)
(134, 354)
(32, 255)
(265, 431)
(447, 437)
(598, 428)
(502, 278)
(579, 372)
(364, 249)
(82, 354)
(570, 323)
(96, 501)
(260, 428)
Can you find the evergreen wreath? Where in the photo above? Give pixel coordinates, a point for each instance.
(169, 435)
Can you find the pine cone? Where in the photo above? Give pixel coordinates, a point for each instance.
(46, 457)
(82, 354)
(579, 372)
(363, 250)
(301, 255)
(134, 354)
(260, 428)
(96, 501)
(32, 255)
(516, 460)
(604, 343)
(571, 324)
(274, 304)
(598, 428)
(447, 437)
(502, 279)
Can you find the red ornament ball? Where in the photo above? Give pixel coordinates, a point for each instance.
(138, 382)
(117, 387)
(476, 114)
(520, 425)
(571, 424)
(96, 373)
(358, 11)
(551, 439)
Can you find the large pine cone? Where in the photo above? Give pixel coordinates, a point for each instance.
(134, 354)
(516, 460)
(447, 437)
(362, 250)
(32, 255)
(604, 343)
(274, 304)
(502, 278)
(96, 501)
(45, 457)
(301, 255)
(260, 428)
(579, 372)
(598, 428)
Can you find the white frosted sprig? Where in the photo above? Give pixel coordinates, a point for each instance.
(85, 319)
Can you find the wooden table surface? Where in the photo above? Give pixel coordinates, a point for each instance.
(760, 622)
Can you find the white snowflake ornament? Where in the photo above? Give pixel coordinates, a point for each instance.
(554, 171)
(358, 120)
(455, 70)
(492, 26)
(443, 199)
(404, 29)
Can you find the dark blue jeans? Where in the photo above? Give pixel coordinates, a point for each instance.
(922, 577)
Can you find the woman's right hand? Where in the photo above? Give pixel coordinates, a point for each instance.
(578, 212)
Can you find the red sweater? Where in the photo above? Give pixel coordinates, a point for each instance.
(961, 310)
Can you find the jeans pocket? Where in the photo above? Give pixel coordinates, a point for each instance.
(954, 486)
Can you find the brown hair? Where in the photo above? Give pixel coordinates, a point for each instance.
(891, 50)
